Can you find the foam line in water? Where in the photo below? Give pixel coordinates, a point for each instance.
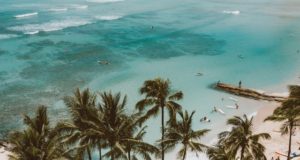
(237, 12)
(104, 1)
(78, 6)
(8, 36)
(49, 26)
(108, 18)
(32, 32)
(58, 9)
(26, 15)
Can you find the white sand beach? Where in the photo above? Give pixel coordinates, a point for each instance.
(278, 142)
(3, 154)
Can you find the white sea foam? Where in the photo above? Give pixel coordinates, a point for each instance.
(104, 1)
(108, 18)
(26, 15)
(237, 12)
(49, 26)
(78, 6)
(8, 36)
(31, 32)
(58, 9)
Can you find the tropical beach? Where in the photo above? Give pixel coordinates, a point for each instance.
(50, 48)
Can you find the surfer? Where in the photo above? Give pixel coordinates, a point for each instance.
(199, 74)
(214, 110)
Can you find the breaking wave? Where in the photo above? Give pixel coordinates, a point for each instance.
(237, 12)
(49, 26)
(108, 18)
(26, 15)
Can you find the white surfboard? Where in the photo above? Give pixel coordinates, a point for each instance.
(233, 99)
(220, 111)
(231, 107)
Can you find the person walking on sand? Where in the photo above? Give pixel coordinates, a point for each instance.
(236, 106)
(240, 84)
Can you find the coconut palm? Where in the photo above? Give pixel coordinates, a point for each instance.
(294, 92)
(120, 129)
(38, 141)
(219, 152)
(289, 114)
(181, 132)
(99, 126)
(134, 144)
(158, 95)
(115, 122)
(242, 140)
(82, 107)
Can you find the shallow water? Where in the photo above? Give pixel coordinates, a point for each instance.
(44, 56)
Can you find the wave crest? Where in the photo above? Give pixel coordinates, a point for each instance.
(58, 9)
(26, 15)
(108, 18)
(104, 1)
(78, 6)
(49, 26)
(237, 12)
(8, 36)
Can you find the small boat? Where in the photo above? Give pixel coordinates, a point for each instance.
(103, 62)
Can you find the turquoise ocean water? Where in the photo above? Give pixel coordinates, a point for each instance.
(47, 48)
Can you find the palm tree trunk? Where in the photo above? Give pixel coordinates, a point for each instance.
(242, 153)
(162, 133)
(290, 140)
(100, 154)
(129, 156)
(112, 155)
(184, 154)
(89, 153)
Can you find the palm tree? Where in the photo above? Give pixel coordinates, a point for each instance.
(219, 152)
(38, 141)
(82, 107)
(182, 132)
(115, 122)
(99, 126)
(242, 140)
(288, 113)
(134, 143)
(120, 129)
(158, 95)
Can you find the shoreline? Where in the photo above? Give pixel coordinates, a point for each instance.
(278, 142)
(3, 154)
(259, 108)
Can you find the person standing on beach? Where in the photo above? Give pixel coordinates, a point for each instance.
(240, 84)
(236, 106)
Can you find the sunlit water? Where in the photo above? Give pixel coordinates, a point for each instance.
(48, 48)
